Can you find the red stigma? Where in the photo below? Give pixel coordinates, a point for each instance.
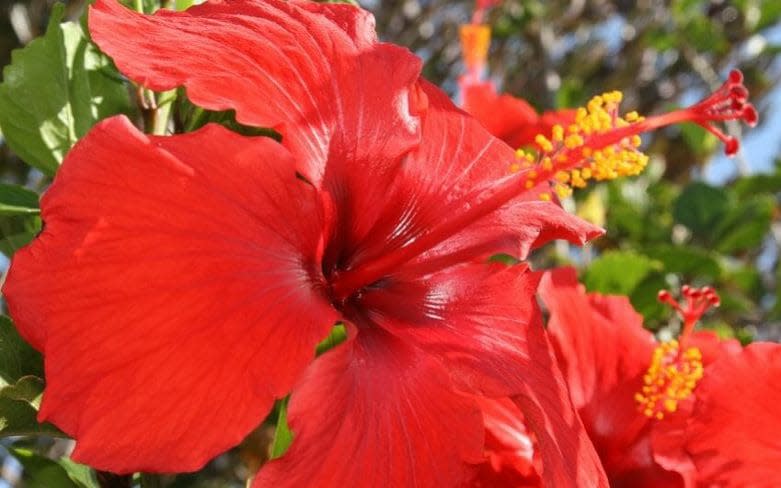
(695, 302)
(728, 102)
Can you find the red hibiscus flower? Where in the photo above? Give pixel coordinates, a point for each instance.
(665, 415)
(181, 284)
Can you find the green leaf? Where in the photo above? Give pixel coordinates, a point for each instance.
(17, 200)
(16, 231)
(700, 207)
(19, 417)
(42, 472)
(690, 261)
(54, 91)
(17, 358)
(752, 185)
(81, 474)
(618, 272)
(283, 436)
(180, 5)
(745, 225)
(699, 140)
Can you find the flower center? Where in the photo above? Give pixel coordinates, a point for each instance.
(600, 145)
(675, 369)
(672, 377)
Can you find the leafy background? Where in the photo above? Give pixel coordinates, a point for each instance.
(693, 217)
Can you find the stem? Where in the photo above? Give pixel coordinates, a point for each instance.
(161, 115)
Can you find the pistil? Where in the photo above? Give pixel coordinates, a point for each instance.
(676, 369)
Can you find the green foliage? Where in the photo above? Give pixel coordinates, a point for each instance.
(21, 370)
(17, 200)
(42, 472)
(700, 208)
(283, 436)
(618, 272)
(54, 90)
(17, 358)
(17, 231)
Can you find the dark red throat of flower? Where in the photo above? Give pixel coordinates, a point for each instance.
(600, 145)
(695, 302)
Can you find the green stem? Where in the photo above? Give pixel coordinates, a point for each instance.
(162, 113)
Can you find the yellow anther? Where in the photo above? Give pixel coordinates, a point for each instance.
(571, 152)
(544, 143)
(671, 377)
(558, 133)
(515, 167)
(545, 197)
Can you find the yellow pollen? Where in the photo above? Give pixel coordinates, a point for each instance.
(575, 151)
(671, 378)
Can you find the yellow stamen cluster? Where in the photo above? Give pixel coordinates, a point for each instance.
(671, 378)
(576, 150)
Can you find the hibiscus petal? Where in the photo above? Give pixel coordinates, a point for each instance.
(483, 323)
(377, 412)
(509, 118)
(172, 291)
(604, 351)
(735, 430)
(509, 447)
(310, 71)
(600, 340)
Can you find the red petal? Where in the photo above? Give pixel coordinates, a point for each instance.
(483, 322)
(509, 118)
(172, 293)
(604, 352)
(508, 446)
(377, 412)
(735, 429)
(311, 71)
(456, 159)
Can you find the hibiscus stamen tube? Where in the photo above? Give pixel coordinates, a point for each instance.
(600, 145)
(676, 369)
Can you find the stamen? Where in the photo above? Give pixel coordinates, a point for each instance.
(602, 145)
(570, 147)
(675, 370)
(670, 379)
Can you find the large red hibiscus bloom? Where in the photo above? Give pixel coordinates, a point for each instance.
(706, 413)
(181, 284)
